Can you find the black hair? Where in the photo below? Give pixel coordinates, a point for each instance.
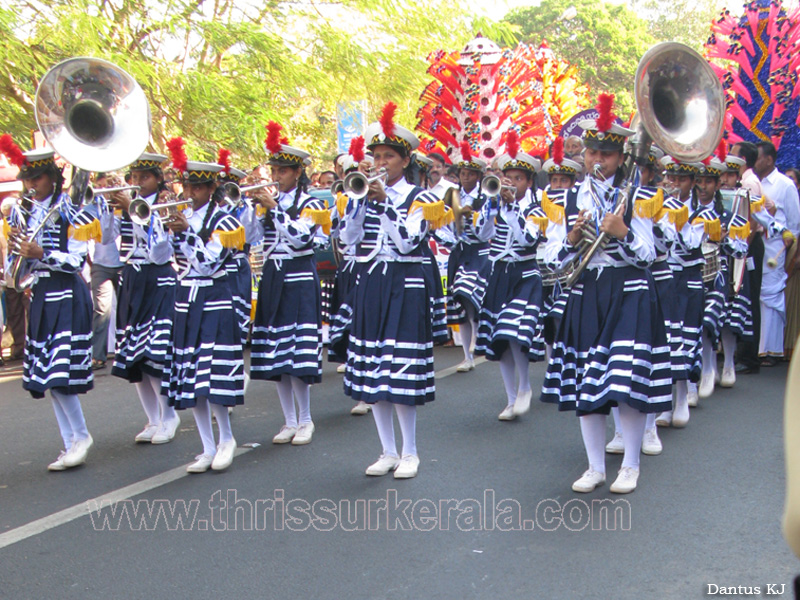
(794, 171)
(719, 208)
(329, 173)
(768, 149)
(749, 152)
(302, 188)
(452, 171)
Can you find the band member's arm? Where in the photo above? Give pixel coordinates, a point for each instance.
(73, 259)
(205, 258)
(638, 246)
(525, 232)
(407, 231)
(351, 230)
(446, 236)
(485, 220)
(301, 231)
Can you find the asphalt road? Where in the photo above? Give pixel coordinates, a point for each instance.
(490, 515)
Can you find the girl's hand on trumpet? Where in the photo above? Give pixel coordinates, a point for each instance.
(119, 200)
(265, 197)
(507, 190)
(25, 248)
(377, 193)
(576, 234)
(614, 225)
(177, 223)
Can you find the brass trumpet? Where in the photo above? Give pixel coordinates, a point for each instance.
(90, 192)
(234, 195)
(356, 184)
(492, 186)
(141, 212)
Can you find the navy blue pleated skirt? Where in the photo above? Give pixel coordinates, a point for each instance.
(342, 309)
(665, 289)
(468, 270)
(241, 282)
(205, 356)
(433, 282)
(738, 315)
(58, 347)
(611, 347)
(287, 330)
(390, 349)
(145, 307)
(688, 311)
(512, 311)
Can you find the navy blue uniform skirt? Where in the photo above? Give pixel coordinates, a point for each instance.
(145, 307)
(688, 311)
(205, 356)
(58, 347)
(287, 330)
(390, 350)
(512, 311)
(468, 270)
(342, 309)
(611, 346)
(738, 314)
(241, 282)
(433, 282)
(665, 288)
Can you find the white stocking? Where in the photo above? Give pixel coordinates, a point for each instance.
(593, 430)
(407, 417)
(287, 401)
(382, 412)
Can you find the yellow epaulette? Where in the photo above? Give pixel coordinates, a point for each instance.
(431, 211)
(475, 216)
(449, 217)
(231, 239)
(676, 216)
(320, 217)
(6, 228)
(86, 232)
(540, 221)
(650, 208)
(553, 211)
(757, 205)
(713, 228)
(341, 203)
(741, 232)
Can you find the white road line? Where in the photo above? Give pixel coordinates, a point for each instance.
(80, 510)
(77, 511)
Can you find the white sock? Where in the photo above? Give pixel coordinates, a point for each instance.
(709, 356)
(522, 364)
(223, 422)
(465, 330)
(63, 424)
(166, 411)
(681, 391)
(302, 393)
(287, 401)
(407, 417)
(246, 381)
(548, 352)
(71, 405)
(632, 422)
(382, 412)
(202, 417)
(509, 380)
(149, 400)
(651, 421)
(615, 414)
(728, 347)
(593, 431)
(692, 386)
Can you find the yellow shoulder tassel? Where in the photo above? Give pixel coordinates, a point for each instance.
(84, 233)
(475, 216)
(6, 228)
(741, 232)
(712, 227)
(757, 205)
(540, 222)
(650, 208)
(341, 203)
(253, 305)
(431, 211)
(678, 216)
(448, 218)
(319, 217)
(231, 239)
(553, 211)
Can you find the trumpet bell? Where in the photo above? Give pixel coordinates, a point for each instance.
(92, 113)
(680, 101)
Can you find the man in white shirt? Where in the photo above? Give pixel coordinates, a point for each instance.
(783, 193)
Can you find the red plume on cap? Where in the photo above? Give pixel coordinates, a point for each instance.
(224, 159)
(512, 143)
(605, 105)
(284, 140)
(558, 150)
(466, 154)
(357, 149)
(706, 161)
(722, 150)
(387, 119)
(177, 153)
(273, 141)
(12, 151)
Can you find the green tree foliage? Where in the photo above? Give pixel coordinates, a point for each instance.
(216, 71)
(686, 21)
(604, 40)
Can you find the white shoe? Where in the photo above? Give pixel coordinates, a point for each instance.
(626, 481)
(58, 464)
(77, 454)
(507, 414)
(304, 434)
(408, 467)
(706, 385)
(691, 396)
(616, 446)
(146, 434)
(166, 431)
(664, 419)
(589, 481)
(680, 416)
(523, 403)
(224, 456)
(285, 435)
(341, 368)
(651, 444)
(728, 377)
(201, 464)
(361, 408)
(383, 465)
(465, 366)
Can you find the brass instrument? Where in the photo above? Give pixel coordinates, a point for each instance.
(356, 184)
(90, 193)
(492, 186)
(234, 195)
(141, 212)
(19, 276)
(337, 187)
(680, 106)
